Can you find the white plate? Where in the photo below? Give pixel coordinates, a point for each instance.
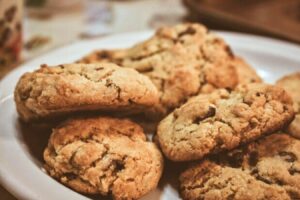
(21, 148)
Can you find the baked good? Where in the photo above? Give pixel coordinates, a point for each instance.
(246, 74)
(181, 61)
(54, 91)
(291, 83)
(266, 169)
(212, 181)
(104, 156)
(222, 120)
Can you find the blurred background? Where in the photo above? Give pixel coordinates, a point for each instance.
(33, 27)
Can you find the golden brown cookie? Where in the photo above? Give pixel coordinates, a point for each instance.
(55, 91)
(212, 181)
(104, 156)
(246, 74)
(222, 120)
(181, 61)
(266, 169)
(291, 83)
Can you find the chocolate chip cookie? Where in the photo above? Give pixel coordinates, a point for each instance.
(104, 156)
(266, 169)
(181, 61)
(291, 84)
(222, 120)
(246, 74)
(55, 91)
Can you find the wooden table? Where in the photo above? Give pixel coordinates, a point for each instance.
(275, 18)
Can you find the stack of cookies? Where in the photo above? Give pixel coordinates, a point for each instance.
(203, 103)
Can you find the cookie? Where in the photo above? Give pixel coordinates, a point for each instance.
(56, 91)
(181, 61)
(212, 181)
(291, 84)
(100, 56)
(266, 169)
(222, 120)
(246, 74)
(104, 156)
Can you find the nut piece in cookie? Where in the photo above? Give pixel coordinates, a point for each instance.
(222, 120)
(181, 61)
(104, 156)
(266, 169)
(56, 91)
(291, 84)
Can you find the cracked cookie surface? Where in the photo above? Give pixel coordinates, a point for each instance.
(222, 120)
(181, 61)
(59, 90)
(104, 156)
(266, 169)
(291, 83)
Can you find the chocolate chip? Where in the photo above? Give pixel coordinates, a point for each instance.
(103, 55)
(70, 176)
(110, 83)
(25, 94)
(253, 124)
(293, 171)
(210, 113)
(229, 51)
(188, 31)
(197, 120)
(119, 166)
(62, 66)
(253, 158)
(254, 171)
(10, 13)
(279, 182)
(236, 158)
(130, 101)
(288, 156)
(263, 179)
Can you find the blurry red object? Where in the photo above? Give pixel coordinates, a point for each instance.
(10, 33)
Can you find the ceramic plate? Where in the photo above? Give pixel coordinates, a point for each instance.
(21, 146)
